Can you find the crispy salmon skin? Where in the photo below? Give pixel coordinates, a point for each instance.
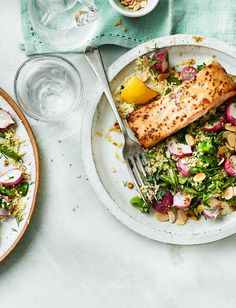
(210, 88)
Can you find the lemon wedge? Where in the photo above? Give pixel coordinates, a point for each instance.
(136, 92)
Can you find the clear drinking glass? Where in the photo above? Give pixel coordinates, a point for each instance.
(64, 24)
(47, 87)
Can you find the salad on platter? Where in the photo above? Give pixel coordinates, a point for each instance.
(14, 178)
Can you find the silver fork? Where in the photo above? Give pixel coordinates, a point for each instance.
(132, 152)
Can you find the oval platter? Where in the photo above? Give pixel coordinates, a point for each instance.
(10, 232)
(103, 161)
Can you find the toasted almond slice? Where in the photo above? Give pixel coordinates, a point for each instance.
(230, 127)
(229, 147)
(226, 134)
(142, 76)
(234, 190)
(199, 177)
(189, 139)
(181, 218)
(185, 159)
(172, 217)
(228, 193)
(143, 3)
(231, 139)
(161, 217)
(221, 161)
(222, 150)
(145, 61)
(136, 7)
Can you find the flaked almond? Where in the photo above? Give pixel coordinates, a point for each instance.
(230, 127)
(221, 161)
(185, 160)
(181, 218)
(229, 147)
(172, 217)
(234, 190)
(226, 134)
(143, 3)
(222, 150)
(161, 217)
(189, 139)
(228, 193)
(142, 76)
(136, 7)
(231, 139)
(145, 61)
(199, 177)
(163, 76)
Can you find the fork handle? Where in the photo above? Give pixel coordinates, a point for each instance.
(94, 58)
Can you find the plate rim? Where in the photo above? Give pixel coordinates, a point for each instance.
(29, 131)
(86, 139)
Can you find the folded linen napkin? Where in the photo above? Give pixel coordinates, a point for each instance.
(201, 17)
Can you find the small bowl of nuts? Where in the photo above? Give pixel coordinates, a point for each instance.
(134, 8)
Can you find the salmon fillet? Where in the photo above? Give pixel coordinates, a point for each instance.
(210, 88)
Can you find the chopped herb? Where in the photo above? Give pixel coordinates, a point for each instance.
(201, 66)
(174, 80)
(10, 153)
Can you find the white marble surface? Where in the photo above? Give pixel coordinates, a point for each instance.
(84, 257)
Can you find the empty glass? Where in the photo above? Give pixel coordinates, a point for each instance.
(47, 87)
(64, 24)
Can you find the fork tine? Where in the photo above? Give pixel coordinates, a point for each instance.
(133, 176)
(136, 171)
(141, 164)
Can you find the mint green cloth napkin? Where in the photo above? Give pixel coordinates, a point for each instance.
(212, 18)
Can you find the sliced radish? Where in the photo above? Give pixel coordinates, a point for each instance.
(178, 149)
(164, 205)
(183, 167)
(231, 113)
(188, 72)
(210, 214)
(230, 165)
(11, 177)
(5, 119)
(213, 211)
(182, 200)
(163, 62)
(215, 126)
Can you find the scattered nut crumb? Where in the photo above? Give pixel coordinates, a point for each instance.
(130, 185)
(125, 29)
(113, 169)
(5, 162)
(118, 22)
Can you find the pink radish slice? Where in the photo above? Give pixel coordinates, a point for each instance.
(183, 167)
(5, 119)
(178, 149)
(11, 177)
(182, 200)
(215, 127)
(213, 211)
(230, 165)
(163, 64)
(231, 113)
(4, 212)
(188, 72)
(164, 205)
(210, 214)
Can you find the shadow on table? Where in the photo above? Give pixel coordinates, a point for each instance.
(28, 239)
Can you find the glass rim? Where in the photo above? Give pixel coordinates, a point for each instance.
(43, 56)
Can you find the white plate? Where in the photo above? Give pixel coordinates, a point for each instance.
(10, 232)
(99, 154)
